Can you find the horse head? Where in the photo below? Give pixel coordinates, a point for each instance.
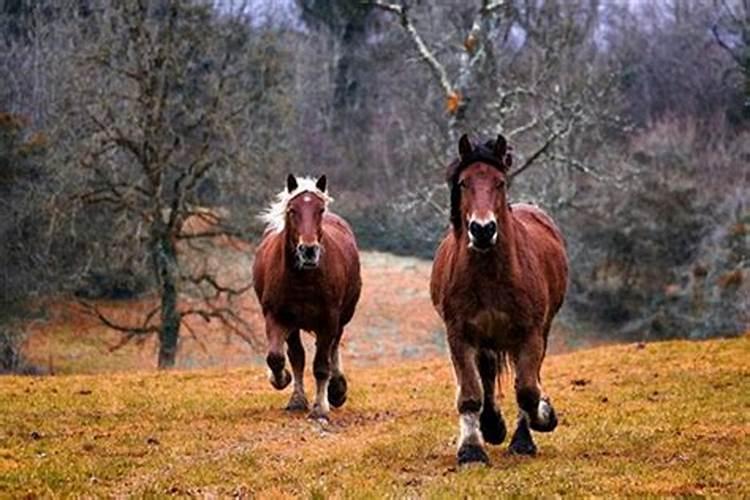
(304, 220)
(478, 182)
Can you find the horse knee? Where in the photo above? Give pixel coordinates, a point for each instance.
(275, 361)
(492, 425)
(541, 414)
(322, 371)
(469, 405)
(528, 399)
(279, 376)
(337, 388)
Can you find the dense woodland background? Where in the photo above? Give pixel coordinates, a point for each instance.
(135, 133)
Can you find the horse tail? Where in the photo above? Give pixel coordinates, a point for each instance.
(505, 371)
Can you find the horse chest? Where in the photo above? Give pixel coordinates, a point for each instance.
(304, 307)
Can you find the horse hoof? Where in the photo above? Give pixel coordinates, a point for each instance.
(297, 404)
(525, 447)
(337, 391)
(472, 454)
(319, 414)
(492, 425)
(281, 382)
(546, 418)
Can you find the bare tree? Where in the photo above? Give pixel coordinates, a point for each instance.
(527, 89)
(731, 30)
(163, 96)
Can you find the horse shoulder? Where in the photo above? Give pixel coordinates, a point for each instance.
(548, 258)
(441, 269)
(264, 266)
(342, 253)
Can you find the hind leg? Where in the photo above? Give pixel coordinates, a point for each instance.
(296, 353)
(337, 386)
(322, 372)
(491, 421)
(535, 409)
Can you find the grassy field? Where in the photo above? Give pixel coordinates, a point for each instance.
(664, 418)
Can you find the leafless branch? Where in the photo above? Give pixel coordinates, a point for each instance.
(143, 329)
(427, 56)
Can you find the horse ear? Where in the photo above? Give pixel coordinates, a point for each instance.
(291, 183)
(464, 147)
(321, 183)
(501, 147)
(502, 151)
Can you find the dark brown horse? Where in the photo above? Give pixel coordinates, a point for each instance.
(498, 279)
(306, 276)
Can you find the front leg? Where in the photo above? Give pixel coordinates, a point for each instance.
(491, 420)
(535, 409)
(276, 334)
(322, 373)
(469, 400)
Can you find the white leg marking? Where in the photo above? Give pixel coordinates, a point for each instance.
(469, 425)
(336, 363)
(543, 413)
(321, 406)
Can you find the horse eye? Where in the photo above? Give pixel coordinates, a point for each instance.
(462, 184)
(500, 184)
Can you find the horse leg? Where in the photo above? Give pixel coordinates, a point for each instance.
(296, 353)
(337, 385)
(469, 400)
(491, 421)
(322, 373)
(276, 335)
(535, 410)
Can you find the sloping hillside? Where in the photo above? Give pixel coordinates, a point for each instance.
(395, 320)
(667, 418)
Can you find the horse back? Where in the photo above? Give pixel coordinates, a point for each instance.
(342, 256)
(545, 245)
(441, 269)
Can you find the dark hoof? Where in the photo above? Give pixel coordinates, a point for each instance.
(297, 404)
(472, 454)
(337, 391)
(318, 415)
(548, 424)
(281, 381)
(492, 425)
(522, 444)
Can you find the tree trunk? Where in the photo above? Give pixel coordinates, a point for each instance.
(165, 261)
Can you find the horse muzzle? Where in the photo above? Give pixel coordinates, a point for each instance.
(482, 236)
(308, 256)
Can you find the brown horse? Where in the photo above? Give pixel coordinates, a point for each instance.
(306, 276)
(498, 279)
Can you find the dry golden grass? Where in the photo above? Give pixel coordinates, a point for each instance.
(669, 418)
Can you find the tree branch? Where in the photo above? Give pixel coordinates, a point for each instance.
(438, 70)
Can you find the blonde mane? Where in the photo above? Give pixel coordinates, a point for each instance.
(275, 215)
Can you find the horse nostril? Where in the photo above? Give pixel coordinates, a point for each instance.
(309, 252)
(483, 231)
